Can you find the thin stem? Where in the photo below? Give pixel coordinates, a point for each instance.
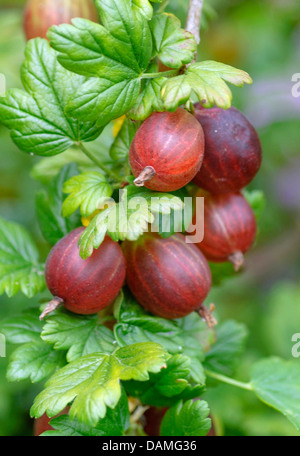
(194, 18)
(162, 74)
(163, 5)
(94, 159)
(229, 381)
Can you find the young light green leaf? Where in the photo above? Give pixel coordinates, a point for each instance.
(166, 387)
(186, 419)
(175, 221)
(149, 100)
(128, 219)
(182, 336)
(93, 381)
(37, 116)
(206, 81)
(144, 7)
(46, 169)
(34, 360)
(20, 269)
(80, 335)
(277, 383)
(49, 204)
(174, 45)
(121, 145)
(23, 328)
(223, 355)
(115, 423)
(88, 191)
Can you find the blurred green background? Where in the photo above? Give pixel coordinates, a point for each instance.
(263, 38)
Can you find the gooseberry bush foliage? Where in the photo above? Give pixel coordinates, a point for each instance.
(87, 90)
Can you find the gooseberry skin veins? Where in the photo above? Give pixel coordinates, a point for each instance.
(85, 286)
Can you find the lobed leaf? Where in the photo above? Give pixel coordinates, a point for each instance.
(168, 386)
(174, 45)
(186, 419)
(206, 81)
(24, 328)
(276, 382)
(34, 360)
(114, 54)
(80, 335)
(36, 116)
(93, 381)
(20, 269)
(115, 423)
(224, 353)
(88, 191)
(149, 99)
(128, 219)
(182, 336)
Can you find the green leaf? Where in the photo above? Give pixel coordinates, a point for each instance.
(181, 336)
(257, 200)
(128, 219)
(37, 116)
(174, 45)
(277, 383)
(103, 99)
(20, 269)
(186, 419)
(230, 341)
(115, 423)
(93, 381)
(115, 54)
(136, 325)
(144, 7)
(121, 145)
(206, 81)
(47, 168)
(149, 100)
(49, 204)
(88, 191)
(80, 335)
(23, 328)
(34, 360)
(166, 387)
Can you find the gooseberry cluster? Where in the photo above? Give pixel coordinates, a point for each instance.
(217, 150)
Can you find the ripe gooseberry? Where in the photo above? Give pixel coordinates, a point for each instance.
(84, 286)
(39, 15)
(229, 228)
(167, 150)
(168, 277)
(232, 152)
